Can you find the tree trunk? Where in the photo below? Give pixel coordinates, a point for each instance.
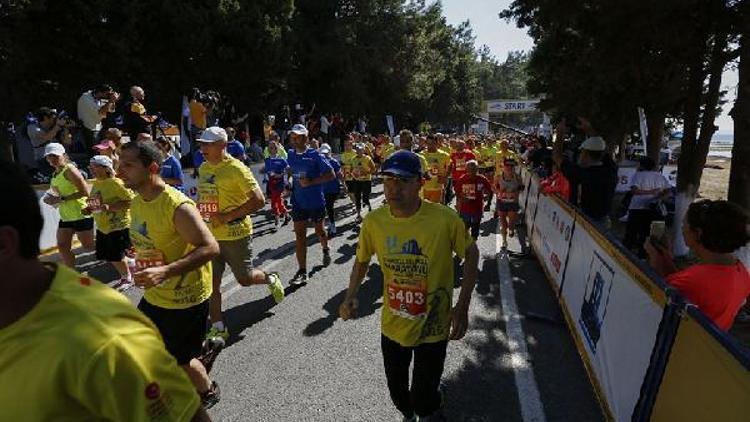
(655, 124)
(739, 176)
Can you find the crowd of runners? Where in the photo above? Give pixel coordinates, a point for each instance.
(177, 250)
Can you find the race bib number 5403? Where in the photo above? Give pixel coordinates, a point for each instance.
(407, 301)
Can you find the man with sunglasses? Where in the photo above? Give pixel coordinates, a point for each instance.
(414, 241)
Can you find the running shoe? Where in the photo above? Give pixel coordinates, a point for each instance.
(300, 277)
(209, 351)
(212, 396)
(326, 257)
(123, 284)
(275, 287)
(358, 219)
(215, 333)
(287, 219)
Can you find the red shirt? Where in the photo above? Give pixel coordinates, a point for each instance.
(557, 183)
(458, 163)
(471, 191)
(717, 290)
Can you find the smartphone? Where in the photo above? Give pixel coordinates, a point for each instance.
(658, 233)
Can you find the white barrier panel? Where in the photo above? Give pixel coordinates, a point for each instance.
(525, 175)
(615, 319)
(533, 192)
(48, 239)
(553, 228)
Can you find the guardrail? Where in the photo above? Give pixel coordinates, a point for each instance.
(649, 355)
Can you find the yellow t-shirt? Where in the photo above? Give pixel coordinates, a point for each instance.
(416, 257)
(362, 168)
(437, 166)
(500, 157)
(487, 156)
(109, 191)
(387, 150)
(84, 353)
(72, 209)
(197, 114)
(346, 165)
(157, 242)
(224, 187)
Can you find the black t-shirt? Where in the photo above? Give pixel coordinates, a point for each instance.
(133, 122)
(597, 186)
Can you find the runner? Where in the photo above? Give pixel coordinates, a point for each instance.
(173, 248)
(437, 167)
(458, 164)
(487, 165)
(227, 195)
(346, 167)
(471, 190)
(503, 152)
(331, 189)
(109, 203)
(68, 192)
(171, 169)
(73, 349)
(276, 168)
(414, 241)
(362, 170)
(309, 172)
(507, 187)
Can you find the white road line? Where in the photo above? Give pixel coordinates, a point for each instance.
(523, 372)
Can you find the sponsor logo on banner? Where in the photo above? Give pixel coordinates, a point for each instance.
(596, 299)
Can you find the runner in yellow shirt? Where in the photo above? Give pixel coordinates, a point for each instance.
(72, 348)
(346, 167)
(503, 152)
(227, 195)
(109, 203)
(414, 242)
(437, 168)
(173, 248)
(362, 170)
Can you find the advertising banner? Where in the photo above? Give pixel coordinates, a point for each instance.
(512, 106)
(553, 228)
(532, 191)
(703, 381)
(614, 318)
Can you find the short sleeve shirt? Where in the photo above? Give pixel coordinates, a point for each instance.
(310, 165)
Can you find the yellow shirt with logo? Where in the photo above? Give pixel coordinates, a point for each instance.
(362, 168)
(84, 353)
(109, 191)
(71, 209)
(156, 242)
(500, 158)
(437, 166)
(387, 150)
(222, 188)
(487, 156)
(346, 165)
(416, 257)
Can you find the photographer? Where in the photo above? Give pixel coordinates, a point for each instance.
(44, 130)
(93, 106)
(720, 283)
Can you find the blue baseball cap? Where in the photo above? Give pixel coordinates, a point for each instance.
(402, 163)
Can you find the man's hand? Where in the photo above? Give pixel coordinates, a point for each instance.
(459, 322)
(52, 200)
(348, 308)
(218, 219)
(150, 277)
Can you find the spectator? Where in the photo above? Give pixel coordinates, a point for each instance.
(136, 120)
(114, 135)
(93, 106)
(325, 126)
(647, 186)
(171, 169)
(593, 179)
(43, 131)
(720, 283)
(198, 114)
(556, 183)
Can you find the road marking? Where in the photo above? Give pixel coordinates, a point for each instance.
(523, 372)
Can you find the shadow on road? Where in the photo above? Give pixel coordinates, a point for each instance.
(369, 293)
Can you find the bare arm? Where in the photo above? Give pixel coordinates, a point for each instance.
(201, 416)
(348, 308)
(255, 201)
(460, 313)
(75, 177)
(193, 230)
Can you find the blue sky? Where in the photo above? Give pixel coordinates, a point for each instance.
(503, 37)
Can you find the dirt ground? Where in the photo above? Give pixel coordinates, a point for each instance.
(715, 180)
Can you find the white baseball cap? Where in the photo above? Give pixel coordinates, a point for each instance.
(325, 149)
(102, 160)
(54, 149)
(213, 134)
(299, 129)
(594, 143)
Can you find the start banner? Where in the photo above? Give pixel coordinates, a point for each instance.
(614, 311)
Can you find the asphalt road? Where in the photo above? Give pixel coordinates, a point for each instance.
(297, 361)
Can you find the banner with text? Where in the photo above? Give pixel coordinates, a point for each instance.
(553, 228)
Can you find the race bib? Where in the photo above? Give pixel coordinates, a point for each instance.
(507, 197)
(408, 301)
(460, 164)
(470, 191)
(434, 171)
(208, 201)
(148, 258)
(358, 173)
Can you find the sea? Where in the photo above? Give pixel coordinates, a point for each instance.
(721, 145)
